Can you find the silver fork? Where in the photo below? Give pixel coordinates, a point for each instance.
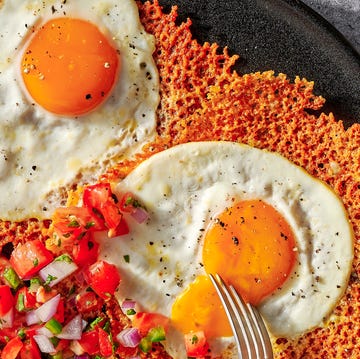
(251, 336)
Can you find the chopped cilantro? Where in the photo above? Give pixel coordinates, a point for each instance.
(194, 339)
(131, 201)
(64, 258)
(95, 322)
(21, 333)
(49, 279)
(89, 225)
(74, 224)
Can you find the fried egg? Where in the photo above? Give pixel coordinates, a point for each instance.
(280, 236)
(78, 88)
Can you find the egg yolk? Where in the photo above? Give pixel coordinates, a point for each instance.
(252, 247)
(69, 66)
(199, 308)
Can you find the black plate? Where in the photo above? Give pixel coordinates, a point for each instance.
(285, 36)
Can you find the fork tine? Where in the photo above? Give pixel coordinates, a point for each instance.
(251, 336)
(255, 351)
(237, 325)
(257, 327)
(262, 332)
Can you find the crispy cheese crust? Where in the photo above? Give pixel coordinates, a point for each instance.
(202, 98)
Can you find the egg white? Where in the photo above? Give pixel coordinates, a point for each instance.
(185, 186)
(41, 152)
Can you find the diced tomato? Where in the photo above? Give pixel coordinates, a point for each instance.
(112, 214)
(120, 230)
(145, 321)
(7, 300)
(6, 333)
(103, 278)
(62, 345)
(86, 251)
(75, 217)
(105, 344)
(90, 342)
(44, 294)
(32, 330)
(128, 203)
(87, 301)
(60, 312)
(70, 223)
(100, 200)
(96, 195)
(67, 235)
(24, 300)
(196, 344)
(30, 350)
(28, 258)
(12, 348)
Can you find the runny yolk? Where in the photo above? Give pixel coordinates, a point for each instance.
(69, 66)
(199, 308)
(252, 247)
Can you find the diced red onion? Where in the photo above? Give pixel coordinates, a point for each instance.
(128, 304)
(129, 337)
(32, 317)
(140, 215)
(44, 343)
(47, 310)
(83, 356)
(44, 313)
(7, 320)
(44, 331)
(84, 324)
(73, 329)
(57, 269)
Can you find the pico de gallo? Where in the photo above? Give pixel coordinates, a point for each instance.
(55, 295)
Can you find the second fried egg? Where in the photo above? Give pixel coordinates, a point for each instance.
(78, 87)
(280, 236)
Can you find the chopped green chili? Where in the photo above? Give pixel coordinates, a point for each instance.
(145, 345)
(54, 326)
(156, 334)
(20, 303)
(64, 258)
(12, 278)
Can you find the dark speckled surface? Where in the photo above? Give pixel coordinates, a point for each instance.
(285, 36)
(343, 14)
